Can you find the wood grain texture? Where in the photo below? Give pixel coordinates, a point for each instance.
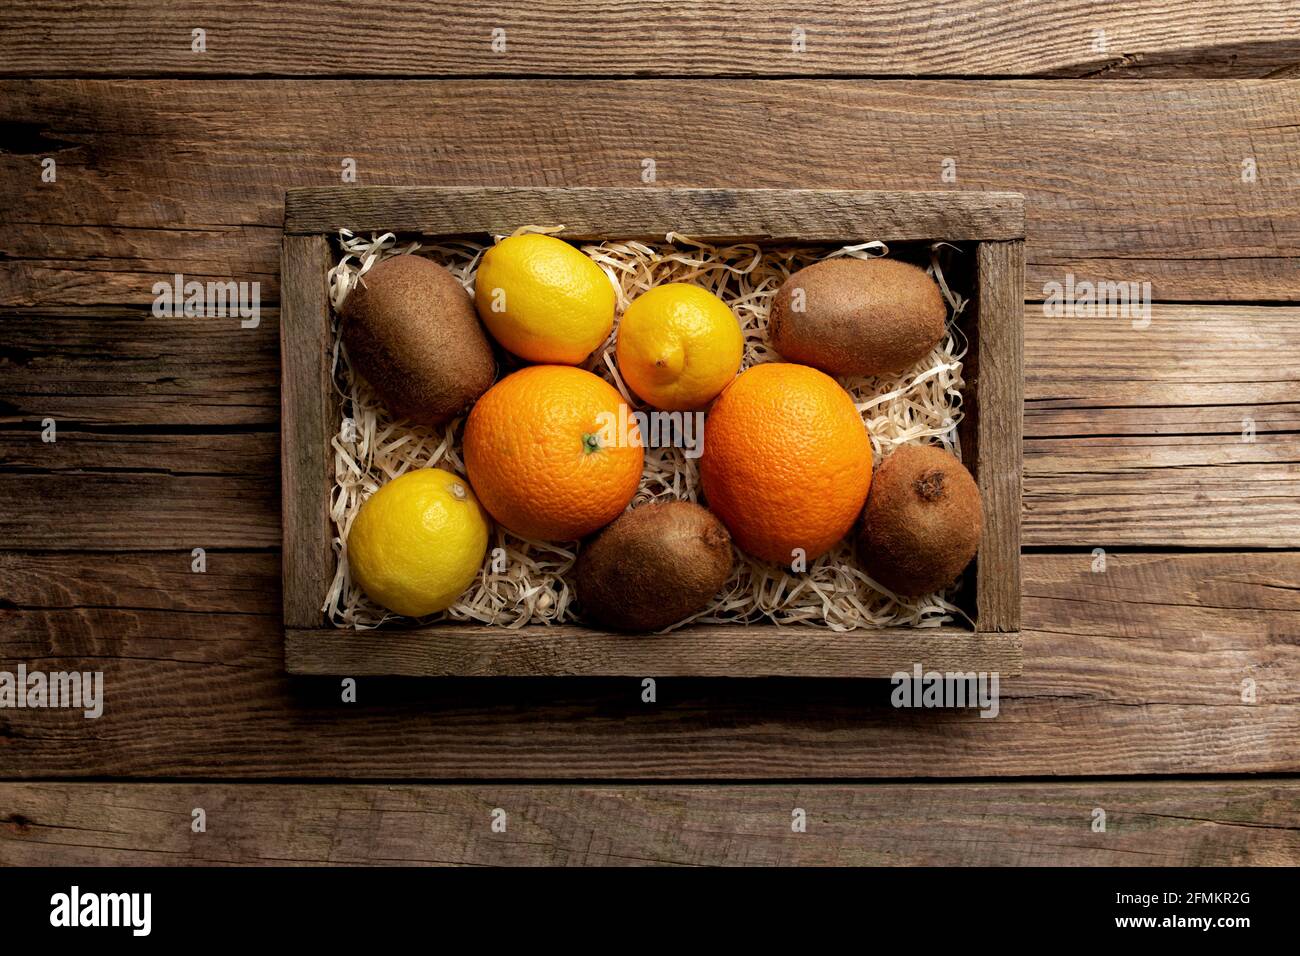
(1180, 823)
(167, 431)
(95, 490)
(114, 364)
(1197, 369)
(793, 215)
(696, 651)
(184, 490)
(996, 387)
(1123, 182)
(309, 418)
(1203, 491)
(1139, 38)
(143, 607)
(1138, 669)
(1193, 370)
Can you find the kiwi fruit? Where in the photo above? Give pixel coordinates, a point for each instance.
(411, 330)
(857, 316)
(653, 566)
(922, 522)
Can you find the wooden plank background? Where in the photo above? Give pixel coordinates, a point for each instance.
(189, 177)
(1136, 438)
(1093, 38)
(1200, 823)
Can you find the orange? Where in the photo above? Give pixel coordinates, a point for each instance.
(786, 462)
(553, 453)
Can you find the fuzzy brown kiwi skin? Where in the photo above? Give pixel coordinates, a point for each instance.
(860, 316)
(412, 332)
(653, 566)
(922, 522)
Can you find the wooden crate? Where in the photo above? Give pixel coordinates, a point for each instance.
(993, 225)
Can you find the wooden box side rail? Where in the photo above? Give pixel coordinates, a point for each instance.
(452, 650)
(591, 213)
(991, 434)
(997, 381)
(308, 416)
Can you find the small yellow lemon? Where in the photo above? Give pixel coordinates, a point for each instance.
(678, 346)
(418, 542)
(543, 300)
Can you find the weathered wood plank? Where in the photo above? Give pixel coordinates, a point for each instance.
(793, 215)
(1137, 669)
(697, 651)
(309, 418)
(1143, 38)
(84, 261)
(89, 490)
(1190, 491)
(1191, 370)
(1203, 596)
(997, 383)
(1176, 823)
(186, 171)
(1066, 417)
(86, 455)
(1197, 369)
(124, 492)
(63, 512)
(142, 606)
(109, 365)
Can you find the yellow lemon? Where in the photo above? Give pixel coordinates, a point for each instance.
(678, 346)
(418, 542)
(544, 300)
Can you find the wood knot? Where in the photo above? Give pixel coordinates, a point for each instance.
(17, 821)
